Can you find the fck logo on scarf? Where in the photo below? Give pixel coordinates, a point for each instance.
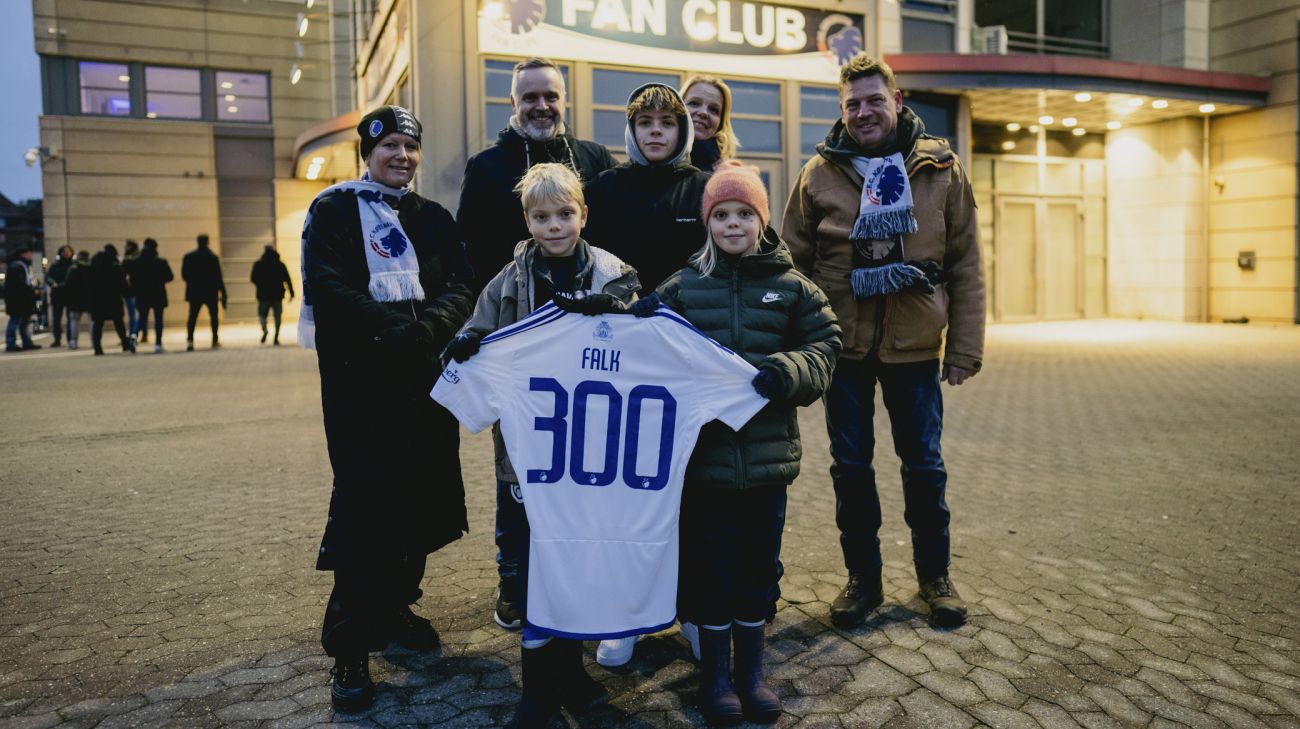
(386, 240)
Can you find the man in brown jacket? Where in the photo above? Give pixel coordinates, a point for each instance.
(883, 219)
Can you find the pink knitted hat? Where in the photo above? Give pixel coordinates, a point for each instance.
(734, 181)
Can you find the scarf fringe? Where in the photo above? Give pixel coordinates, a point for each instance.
(884, 224)
(392, 286)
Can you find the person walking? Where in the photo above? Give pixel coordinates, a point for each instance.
(385, 287)
(708, 101)
(107, 286)
(883, 219)
(491, 219)
(271, 278)
(150, 276)
(54, 279)
(20, 301)
(204, 286)
(76, 289)
(129, 256)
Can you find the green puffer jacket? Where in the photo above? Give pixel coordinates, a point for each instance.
(767, 312)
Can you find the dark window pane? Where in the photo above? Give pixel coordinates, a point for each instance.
(609, 127)
(748, 97)
(819, 103)
(613, 87)
(173, 106)
(176, 80)
(1074, 19)
(495, 118)
(938, 112)
(810, 135)
(105, 88)
(927, 36)
(1017, 15)
(497, 76)
(757, 136)
(245, 110)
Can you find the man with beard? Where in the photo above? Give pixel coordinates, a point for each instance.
(491, 220)
(883, 219)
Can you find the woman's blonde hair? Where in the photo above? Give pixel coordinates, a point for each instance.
(728, 144)
(549, 182)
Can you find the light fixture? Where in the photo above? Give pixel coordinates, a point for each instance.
(1008, 145)
(124, 78)
(310, 3)
(230, 97)
(302, 24)
(1159, 104)
(227, 85)
(1045, 119)
(232, 109)
(318, 161)
(1135, 101)
(1113, 125)
(1078, 131)
(1033, 128)
(295, 74)
(151, 115)
(1013, 127)
(1083, 96)
(1069, 121)
(41, 154)
(1206, 108)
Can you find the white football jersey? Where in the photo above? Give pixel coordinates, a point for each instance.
(599, 416)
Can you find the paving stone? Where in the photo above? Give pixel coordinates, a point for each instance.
(1116, 705)
(1049, 716)
(1002, 717)
(929, 709)
(1235, 716)
(996, 687)
(954, 690)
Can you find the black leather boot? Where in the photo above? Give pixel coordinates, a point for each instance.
(861, 595)
(760, 702)
(351, 689)
(578, 691)
(539, 703)
(718, 700)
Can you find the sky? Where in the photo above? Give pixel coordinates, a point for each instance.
(20, 78)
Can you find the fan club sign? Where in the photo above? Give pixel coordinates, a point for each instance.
(713, 35)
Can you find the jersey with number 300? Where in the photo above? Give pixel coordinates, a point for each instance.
(599, 415)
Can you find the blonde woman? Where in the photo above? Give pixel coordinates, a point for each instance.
(708, 101)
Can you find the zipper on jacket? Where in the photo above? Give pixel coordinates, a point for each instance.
(742, 467)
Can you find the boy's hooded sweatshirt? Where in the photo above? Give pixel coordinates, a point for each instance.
(649, 214)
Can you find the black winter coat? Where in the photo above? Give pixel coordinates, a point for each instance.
(106, 285)
(55, 278)
(20, 296)
(490, 216)
(647, 216)
(201, 270)
(774, 317)
(76, 287)
(270, 277)
(395, 452)
(149, 277)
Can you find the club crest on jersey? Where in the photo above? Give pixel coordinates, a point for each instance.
(387, 240)
(451, 376)
(604, 332)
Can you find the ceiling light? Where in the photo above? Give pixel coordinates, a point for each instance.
(1113, 125)
(1034, 128)
(1159, 104)
(1082, 96)
(1206, 108)
(152, 115)
(302, 24)
(313, 173)
(1013, 127)
(232, 109)
(1078, 131)
(1069, 121)
(318, 160)
(1135, 101)
(230, 97)
(295, 74)
(1008, 145)
(124, 78)
(227, 85)
(1045, 119)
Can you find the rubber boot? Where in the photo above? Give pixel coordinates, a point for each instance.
(718, 700)
(539, 703)
(760, 702)
(578, 691)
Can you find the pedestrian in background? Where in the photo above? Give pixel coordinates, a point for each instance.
(708, 101)
(271, 278)
(204, 286)
(385, 287)
(76, 290)
(149, 279)
(54, 279)
(129, 256)
(107, 286)
(20, 301)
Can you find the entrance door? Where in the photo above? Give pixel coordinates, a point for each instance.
(1038, 260)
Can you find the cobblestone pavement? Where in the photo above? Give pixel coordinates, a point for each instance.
(1125, 528)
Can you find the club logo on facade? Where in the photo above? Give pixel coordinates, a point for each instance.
(838, 38)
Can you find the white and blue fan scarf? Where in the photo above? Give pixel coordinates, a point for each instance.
(885, 212)
(390, 257)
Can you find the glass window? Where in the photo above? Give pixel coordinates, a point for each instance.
(927, 36)
(611, 87)
(609, 127)
(748, 97)
(105, 88)
(1073, 19)
(1069, 26)
(756, 116)
(810, 135)
(172, 93)
(1020, 16)
(819, 102)
(757, 136)
(939, 113)
(497, 76)
(243, 96)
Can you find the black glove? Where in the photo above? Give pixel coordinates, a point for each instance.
(464, 346)
(888, 279)
(410, 341)
(642, 308)
(589, 304)
(768, 383)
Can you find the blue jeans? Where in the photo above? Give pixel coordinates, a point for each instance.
(16, 329)
(512, 535)
(130, 315)
(915, 406)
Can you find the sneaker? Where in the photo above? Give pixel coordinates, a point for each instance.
(13, 348)
(72, 345)
(860, 596)
(216, 344)
(691, 632)
(351, 689)
(412, 631)
(55, 344)
(946, 606)
(615, 652)
(129, 345)
(189, 346)
(263, 336)
(30, 346)
(507, 613)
